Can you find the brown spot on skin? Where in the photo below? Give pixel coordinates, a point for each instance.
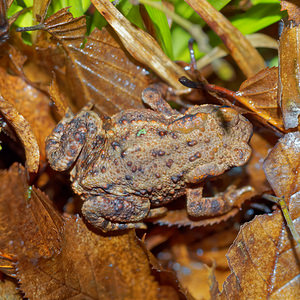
(192, 143)
(133, 169)
(161, 153)
(169, 163)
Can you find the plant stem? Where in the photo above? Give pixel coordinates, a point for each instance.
(286, 214)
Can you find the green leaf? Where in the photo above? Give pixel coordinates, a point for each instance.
(162, 29)
(258, 17)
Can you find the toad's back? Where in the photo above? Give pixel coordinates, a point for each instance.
(148, 154)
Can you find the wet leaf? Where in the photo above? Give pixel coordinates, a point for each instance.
(90, 266)
(29, 225)
(34, 107)
(141, 45)
(24, 132)
(289, 80)
(263, 259)
(259, 94)
(246, 56)
(282, 166)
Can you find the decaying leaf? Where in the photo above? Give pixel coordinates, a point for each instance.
(246, 56)
(264, 260)
(9, 291)
(260, 145)
(32, 104)
(90, 266)
(100, 71)
(289, 78)
(282, 166)
(24, 132)
(259, 94)
(29, 225)
(141, 45)
(181, 218)
(293, 9)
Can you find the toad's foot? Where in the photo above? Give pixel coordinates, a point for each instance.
(198, 206)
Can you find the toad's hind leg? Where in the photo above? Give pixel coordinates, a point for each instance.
(198, 206)
(68, 137)
(110, 212)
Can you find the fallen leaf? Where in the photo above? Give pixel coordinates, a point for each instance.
(24, 132)
(9, 291)
(293, 9)
(259, 94)
(245, 55)
(141, 45)
(90, 266)
(289, 79)
(100, 71)
(32, 104)
(261, 144)
(181, 218)
(282, 166)
(264, 260)
(29, 225)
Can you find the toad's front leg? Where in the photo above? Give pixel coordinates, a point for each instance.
(110, 212)
(198, 206)
(69, 136)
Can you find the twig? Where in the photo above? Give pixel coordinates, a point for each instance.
(286, 214)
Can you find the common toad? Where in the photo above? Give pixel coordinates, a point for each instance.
(126, 167)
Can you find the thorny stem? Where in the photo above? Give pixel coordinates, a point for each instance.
(286, 214)
(195, 30)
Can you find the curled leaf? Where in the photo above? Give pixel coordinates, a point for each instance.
(289, 79)
(282, 166)
(24, 132)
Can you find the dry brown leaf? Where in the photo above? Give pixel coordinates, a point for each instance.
(245, 55)
(260, 147)
(180, 218)
(264, 260)
(141, 45)
(9, 291)
(32, 104)
(90, 266)
(289, 78)
(39, 10)
(282, 166)
(29, 225)
(259, 94)
(293, 9)
(24, 132)
(100, 72)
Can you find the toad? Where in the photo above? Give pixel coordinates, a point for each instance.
(127, 167)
